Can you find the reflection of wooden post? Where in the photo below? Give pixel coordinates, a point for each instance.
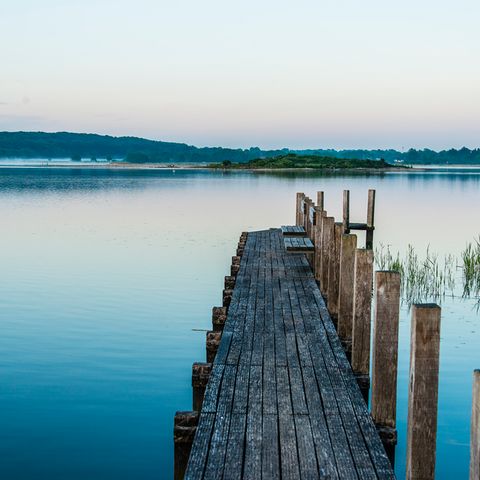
(346, 211)
(298, 211)
(334, 271)
(385, 358)
(423, 392)
(319, 214)
(475, 429)
(370, 219)
(327, 237)
(200, 375)
(362, 293)
(184, 427)
(345, 290)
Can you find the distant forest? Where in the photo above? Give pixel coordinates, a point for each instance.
(78, 146)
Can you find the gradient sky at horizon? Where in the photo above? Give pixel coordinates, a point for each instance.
(305, 74)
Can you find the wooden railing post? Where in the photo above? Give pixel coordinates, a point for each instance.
(334, 271)
(319, 214)
(370, 219)
(321, 200)
(345, 290)
(298, 209)
(184, 428)
(346, 211)
(385, 358)
(362, 304)
(327, 238)
(219, 317)
(475, 429)
(423, 392)
(213, 342)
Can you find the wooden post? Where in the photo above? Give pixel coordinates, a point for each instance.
(184, 428)
(385, 358)
(227, 297)
(346, 211)
(320, 200)
(334, 271)
(229, 282)
(362, 305)
(319, 214)
(200, 375)
(219, 317)
(370, 219)
(327, 238)
(423, 392)
(475, 429)
(234, 269)
(213, 342)
(298, 210)
(305, 214)
(345, 290)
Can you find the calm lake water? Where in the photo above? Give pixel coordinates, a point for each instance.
(106, 276)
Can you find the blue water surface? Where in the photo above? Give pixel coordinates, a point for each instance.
(107, 281)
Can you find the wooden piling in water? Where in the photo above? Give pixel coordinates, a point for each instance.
(346, 211)
(334, 271)
(423, 392)
(213, 342)
(362, 302)
(219, 317)
(319, 214)
(298, 209)
(320, 200)
(184, 428)
(385, 358)
(227, 297)
(345, 290)
(370, 219)
(327, 237)
(200, 375)
(475, 429)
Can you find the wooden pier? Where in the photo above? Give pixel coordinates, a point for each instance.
(284, 392)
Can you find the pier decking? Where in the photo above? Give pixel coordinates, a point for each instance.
(282, 400)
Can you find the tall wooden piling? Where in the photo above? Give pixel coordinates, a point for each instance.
(212, 343)
(219, 317)
(475, 429)
(423, 392)
(346, 211)
(385, 358)
(334, 271)
(345, 290)
(321, 200)
(319, 214)
(184, 428)
(327, 237)
(298, 209)
(370, 219)
(362, 302)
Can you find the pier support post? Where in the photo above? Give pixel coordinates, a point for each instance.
(385, 358)
(298, 209)
(345, 291)
(219, 317)
(227, 297)
(370, 219)
(423, 392)
(235, 266)
(319, 214)
(229, 282)
(327, 237)
(475, 429)
(346, 211)
(362, 306)
(213, 342)
(184, 428)
(320, 200)
(334, 271)
(200, 375)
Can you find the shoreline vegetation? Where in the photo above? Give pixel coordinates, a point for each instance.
(292, 161)
(135, 150)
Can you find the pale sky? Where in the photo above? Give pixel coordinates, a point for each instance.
(272, 73)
